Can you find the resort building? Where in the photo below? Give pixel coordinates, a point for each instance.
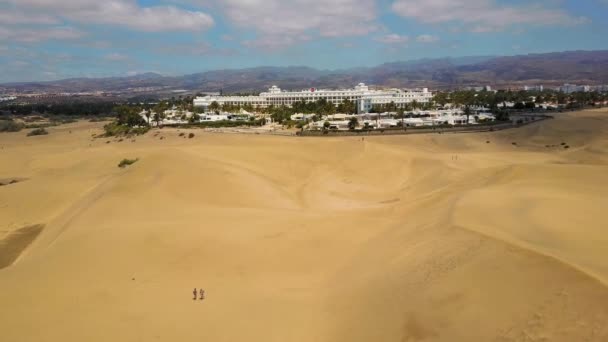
(573, 88)
(534, 88)
(364, 97)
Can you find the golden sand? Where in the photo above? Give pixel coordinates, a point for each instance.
(452, 237)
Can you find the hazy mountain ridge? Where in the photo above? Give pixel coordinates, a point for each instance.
(574, 66)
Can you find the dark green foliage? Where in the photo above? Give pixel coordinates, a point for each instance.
(114, 129)
(67, 109)
(214, 107)
(194, 118)
(128, 122)
(519, 106)
(126, 162)
(353, 123)
(129, 116)
(222, 124)
(320, 107)
(38, 131)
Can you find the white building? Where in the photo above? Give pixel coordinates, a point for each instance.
(361, 95)
(539, 87)
(7, 98)
(573, 88)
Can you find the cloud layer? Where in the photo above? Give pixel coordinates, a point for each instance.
(280, 23)
(125, 13)
(482, 15)
(111, 35)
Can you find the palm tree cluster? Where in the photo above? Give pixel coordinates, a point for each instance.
(522, 99)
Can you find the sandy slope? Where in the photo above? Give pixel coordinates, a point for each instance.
(415, 238)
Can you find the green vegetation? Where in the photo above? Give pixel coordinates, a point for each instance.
(214, 107)
(523, 100)
(191, 135)
(38, 131)
(10, 126)
(128, 123)
(222, 124)
(194, 118)
(114, 129)
(126, 162)
(353, 123)
(159, 112)
(64, 109)
(320, 107)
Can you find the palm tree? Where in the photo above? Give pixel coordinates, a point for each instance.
(214, 107)
(467, 112)
(159, 113)
(415, 105)
(353, 123)
(402, 114)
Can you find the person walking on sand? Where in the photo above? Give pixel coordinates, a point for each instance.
(194, 293)
(202, 294)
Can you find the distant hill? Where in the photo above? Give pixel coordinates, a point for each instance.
(588, 67)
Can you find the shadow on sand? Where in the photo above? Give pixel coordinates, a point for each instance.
(16, 242)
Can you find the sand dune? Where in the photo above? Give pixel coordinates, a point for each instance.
(452, 237)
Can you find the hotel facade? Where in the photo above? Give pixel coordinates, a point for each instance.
(364, 98)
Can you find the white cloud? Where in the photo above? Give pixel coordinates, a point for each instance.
(271, 42)
(26, 35)
(392, 38)
(118, 12)
(115, 57)
(19, 64)
(482, 15)
(427, 38)
(11, 17)
(280, 23)
(196, 49)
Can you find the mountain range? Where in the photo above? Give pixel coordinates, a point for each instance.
(584, 67)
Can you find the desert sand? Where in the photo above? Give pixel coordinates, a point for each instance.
(452, 237)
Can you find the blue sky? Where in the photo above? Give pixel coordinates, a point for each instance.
(54, 39)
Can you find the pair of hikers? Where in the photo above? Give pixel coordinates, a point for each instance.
(202, 292)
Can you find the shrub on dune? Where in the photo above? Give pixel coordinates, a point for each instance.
(38, 131)
(10, 126)
(126, 162)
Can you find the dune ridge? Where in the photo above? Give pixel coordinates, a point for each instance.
(460, 237)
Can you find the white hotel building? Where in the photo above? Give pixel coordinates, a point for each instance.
(364, 97)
